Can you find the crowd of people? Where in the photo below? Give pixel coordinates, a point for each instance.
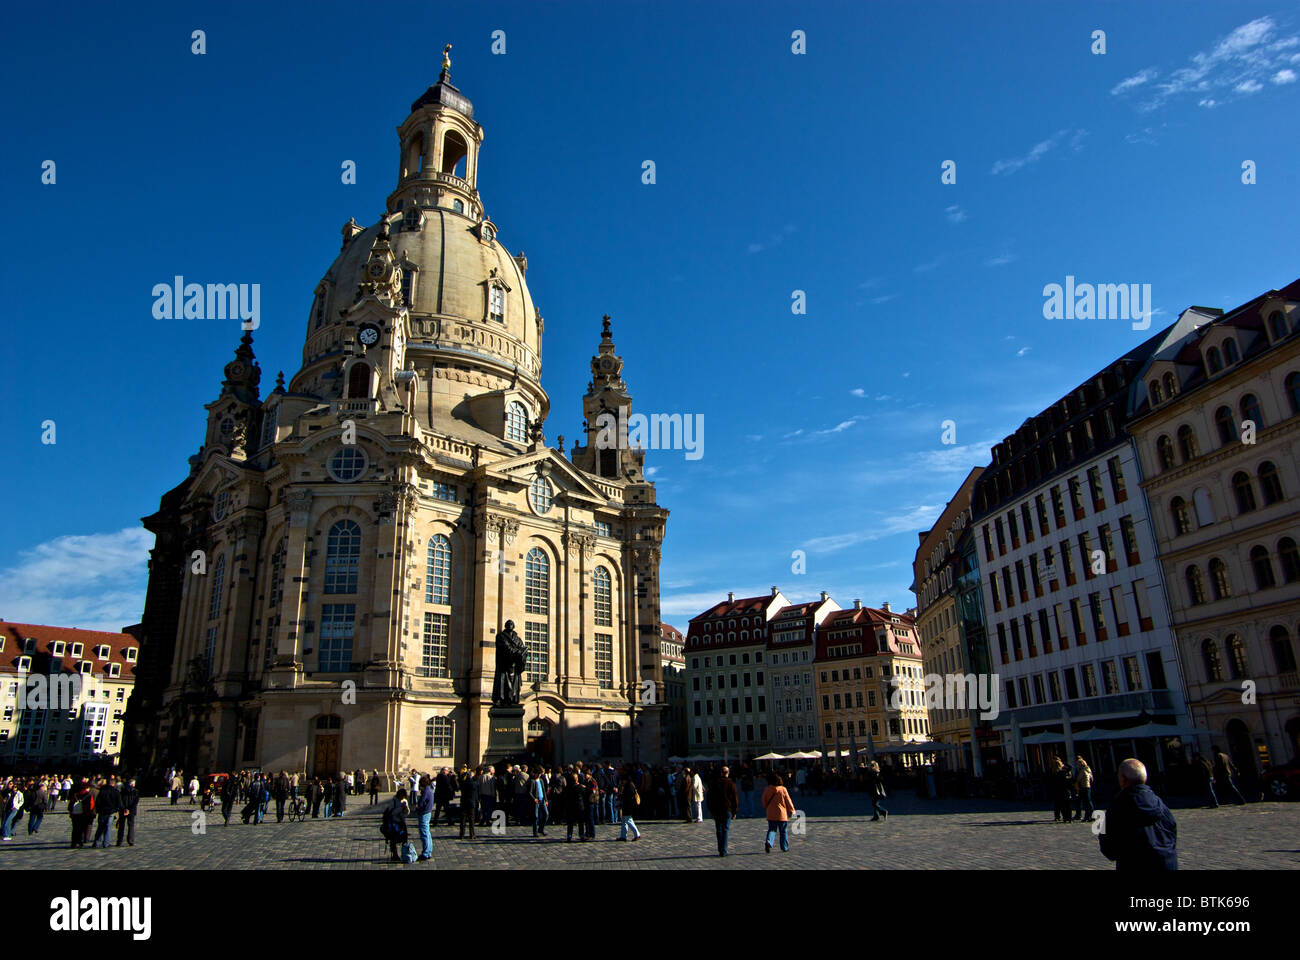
(91, 804)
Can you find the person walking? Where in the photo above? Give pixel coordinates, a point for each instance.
(444, 787)
(697, 797)
(487, 794)
(747, 797)
(629, 800)
(194, 789)
(107, 803)
(34, 802)
(1204, 770)
(875, 784)
(1225, 771)
(316, 797)
(81, 811)
(469, 799)
(723, 807)
(1139, 833)
(229, 794)
(574, 800)
(397, 835)
(1082, 789)
(779, 808)
(280, 791)
(1057, 785)
(537, 794)
(130, 799)
(178, 784)
(11, 804)
(424, 810)
(374, 787)
(340, 796)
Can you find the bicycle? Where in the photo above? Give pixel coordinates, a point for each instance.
(296, 809)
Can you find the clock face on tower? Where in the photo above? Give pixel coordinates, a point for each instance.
(369, 335)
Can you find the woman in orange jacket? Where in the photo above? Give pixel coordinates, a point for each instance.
(779, 808)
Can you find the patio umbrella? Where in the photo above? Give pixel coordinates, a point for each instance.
(775, 756)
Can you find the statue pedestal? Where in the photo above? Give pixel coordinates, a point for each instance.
(505, 739)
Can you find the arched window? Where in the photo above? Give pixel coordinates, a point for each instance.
(359, 381)
(1227, 424)
(1293, 391)
(437, 570)
(516, 422)
(218, 585)
(602, 600)
(1263, 567)
(438, 739)
(1219, 579)
(1250, 411)
(1187, 443)
(1283, 652)
(457, 206)
(1237, 657)
(1204, 509)
(1171, 385)
(329, 721)
(1156, 395)
(537, 582)
(1244, 491)
(1277, 324)
(1165, 452)
(1230, 354)
(1182, 518)
(454, 150)
(1195, 587)
(540, 495)
(1290, 557)
(611, 739)
(342, 557)
(1269, 483)
(1213, 361)
(1210, 654)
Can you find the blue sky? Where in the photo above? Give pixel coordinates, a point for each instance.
(775, 172)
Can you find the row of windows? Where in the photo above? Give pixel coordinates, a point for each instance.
(1225, 425)
(1048, 688)
(1005, 592)
(1261, 565)
(1055, 617)
(1024, 519)
(1243, 491)
(744, 659)
(1279, 644)
(719, 734)
(58, 648)
(722, 678)
(1214, 360)
(87, 668)
(897, 727)
(735, 706)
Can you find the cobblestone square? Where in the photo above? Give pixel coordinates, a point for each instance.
(919, 834)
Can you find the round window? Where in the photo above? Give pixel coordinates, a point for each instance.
(221, 505)
(540, 495)
(347, 464)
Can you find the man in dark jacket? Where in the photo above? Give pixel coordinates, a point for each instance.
(35, 802)
(723, 801)
(443, 789)
(316, 797)
(340, 795)
(1139, 832)
(130, 798)
(107, 803)
(280, 792)
(229, 794)
(468, 800)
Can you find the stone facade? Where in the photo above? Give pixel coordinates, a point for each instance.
(329, 579)
(1224, 504)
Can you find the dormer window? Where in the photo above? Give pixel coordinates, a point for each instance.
(131, 653)
(1171, 385)
(1230, 354)
(497, 303)
(1213, 361)
(516, 422)
(1277, 325)
(102, 651)
(1156, 395)
(87, 668)
(75, 652)
(114, 670)
(24, 664)
(56, 648)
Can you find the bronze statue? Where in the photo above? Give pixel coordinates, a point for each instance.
(510, 667)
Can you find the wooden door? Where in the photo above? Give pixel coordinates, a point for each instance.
(327, 755)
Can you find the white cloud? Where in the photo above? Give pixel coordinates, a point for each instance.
(1038, 151)
(955, 214)
(1238, 64)
(911, 520)
(858, 392)
(884, 299)
(1128, 83)
(1284, 76)
(1001, 260)
(1022, 351)
(95, 581)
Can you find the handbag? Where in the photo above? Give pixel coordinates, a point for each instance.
(78, 809)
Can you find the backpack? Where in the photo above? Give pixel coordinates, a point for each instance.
(386, 825)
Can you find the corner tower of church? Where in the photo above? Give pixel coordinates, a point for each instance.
(367, 528)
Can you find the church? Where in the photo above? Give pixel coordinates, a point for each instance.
(328, 582)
